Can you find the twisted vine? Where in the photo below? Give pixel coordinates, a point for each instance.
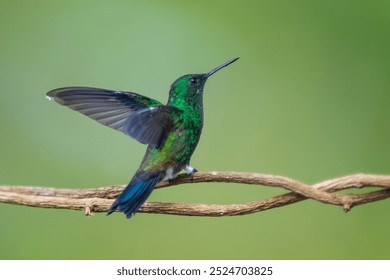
(100, 199)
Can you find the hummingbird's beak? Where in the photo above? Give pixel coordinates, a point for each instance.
(220, 67)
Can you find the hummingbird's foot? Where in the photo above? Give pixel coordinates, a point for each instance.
(191, 171)
(169, 175)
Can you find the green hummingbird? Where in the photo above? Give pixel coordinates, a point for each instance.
(171, 131)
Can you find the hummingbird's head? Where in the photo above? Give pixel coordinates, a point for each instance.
(189, 88)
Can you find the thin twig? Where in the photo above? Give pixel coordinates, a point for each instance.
(100, 199)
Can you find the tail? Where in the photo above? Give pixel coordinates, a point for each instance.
(135, 194)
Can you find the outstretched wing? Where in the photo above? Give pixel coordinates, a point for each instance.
(140, 117)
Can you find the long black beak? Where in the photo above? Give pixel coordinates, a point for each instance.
(220, 67)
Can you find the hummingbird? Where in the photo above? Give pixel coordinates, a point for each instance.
(171, 132)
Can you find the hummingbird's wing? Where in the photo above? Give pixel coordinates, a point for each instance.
(138, 116)
(151, 125)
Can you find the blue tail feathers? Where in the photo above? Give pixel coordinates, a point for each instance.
(135, 194)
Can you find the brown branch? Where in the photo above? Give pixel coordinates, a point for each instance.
(100, 199)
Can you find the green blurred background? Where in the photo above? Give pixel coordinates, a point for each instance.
(309, 99)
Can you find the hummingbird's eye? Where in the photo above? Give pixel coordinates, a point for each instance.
(193, 81)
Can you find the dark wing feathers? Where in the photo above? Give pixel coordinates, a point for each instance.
(140, 117)
(157, 119)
